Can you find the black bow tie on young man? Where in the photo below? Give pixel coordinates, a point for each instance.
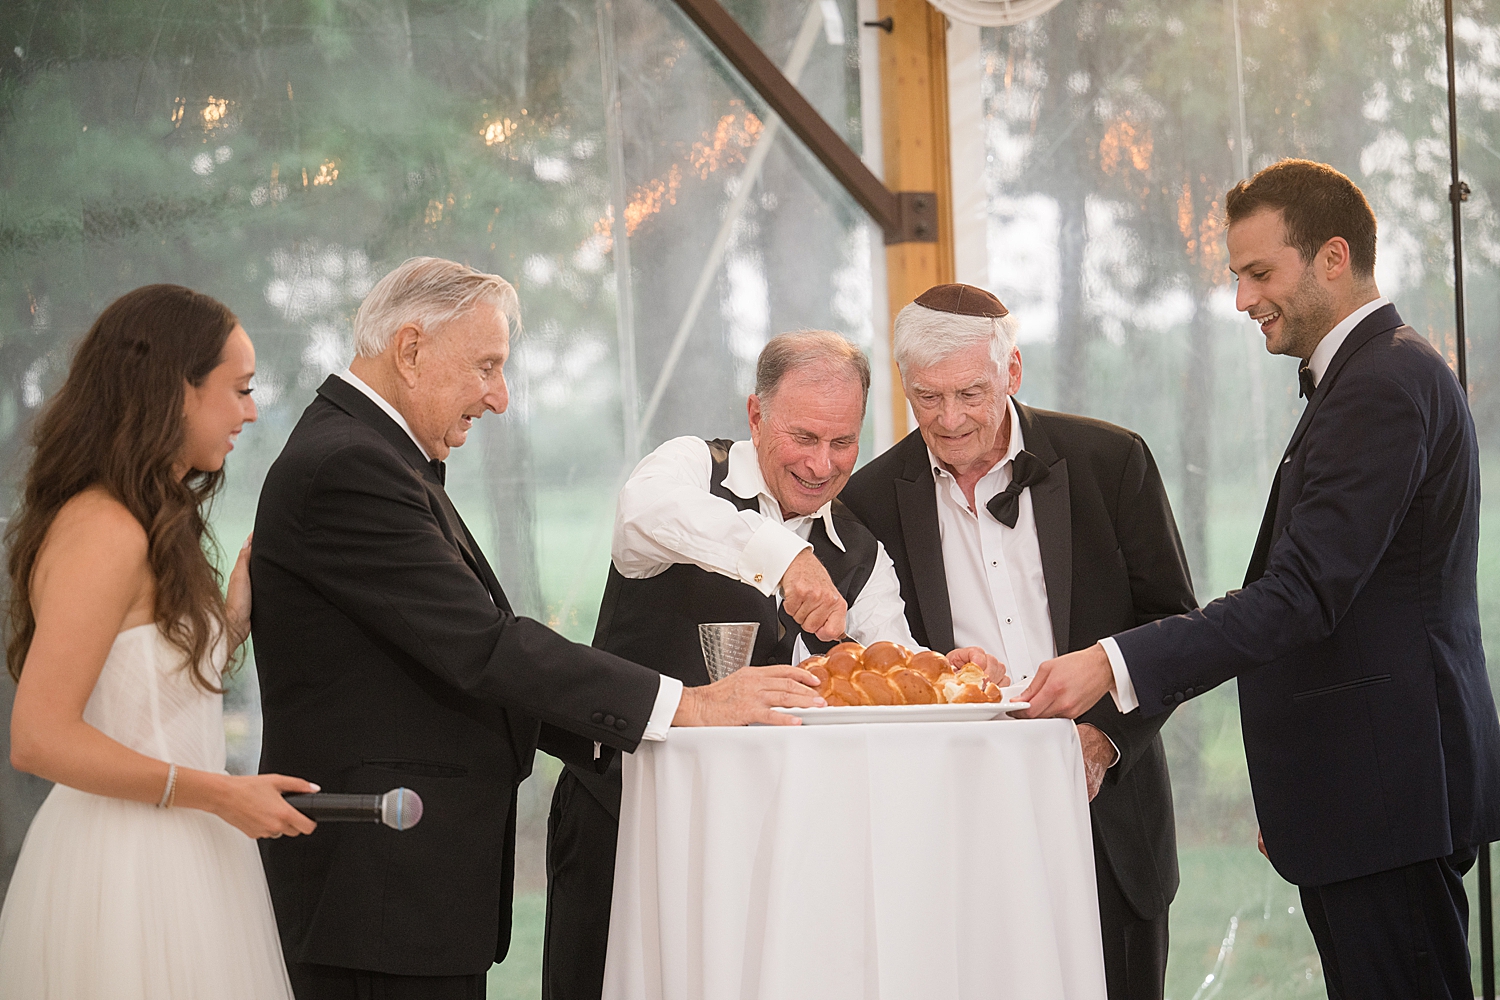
(1025, 470)
(1305, 382)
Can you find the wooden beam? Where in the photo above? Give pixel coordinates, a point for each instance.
(725, 34)
(914, 130)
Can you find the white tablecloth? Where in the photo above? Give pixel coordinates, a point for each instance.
(914, 861)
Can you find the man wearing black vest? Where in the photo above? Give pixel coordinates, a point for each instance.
(713, 531)
(1036, 533)
(1370, 727)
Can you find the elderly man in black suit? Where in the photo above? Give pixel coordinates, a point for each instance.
(1037, 533)
(389, 655)
(1370, 727)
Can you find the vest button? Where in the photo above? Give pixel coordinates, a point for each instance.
(598, 716)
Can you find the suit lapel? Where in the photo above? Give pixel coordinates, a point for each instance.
(1052, 507)
(1380, 321)
(916, 506)
(359, 406)
(362, 408)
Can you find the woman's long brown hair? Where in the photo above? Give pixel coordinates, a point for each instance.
(117, 424)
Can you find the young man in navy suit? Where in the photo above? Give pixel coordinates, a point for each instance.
(1369, 724)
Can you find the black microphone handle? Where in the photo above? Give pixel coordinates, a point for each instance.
(335, 807)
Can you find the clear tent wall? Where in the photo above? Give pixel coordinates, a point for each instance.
(660, 224)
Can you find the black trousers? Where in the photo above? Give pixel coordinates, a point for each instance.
(1135, 949)
(1402, 933)
(332, 982)
(581, 837)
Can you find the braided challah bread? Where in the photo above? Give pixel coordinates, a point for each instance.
(888, 674)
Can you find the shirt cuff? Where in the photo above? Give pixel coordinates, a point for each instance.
(767, 555)
(668, 697)
(1123, 690)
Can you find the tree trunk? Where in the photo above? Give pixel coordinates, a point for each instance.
(508, 473)
(1197, 411)
(1073, 325)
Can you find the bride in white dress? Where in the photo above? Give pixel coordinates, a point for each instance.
(139, 877)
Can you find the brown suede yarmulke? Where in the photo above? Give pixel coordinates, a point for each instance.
(965, 300)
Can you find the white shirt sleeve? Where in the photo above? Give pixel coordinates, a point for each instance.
(1123, 690)
(878, 613)
(666, 515)
(668, 697)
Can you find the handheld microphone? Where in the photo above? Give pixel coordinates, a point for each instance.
(399, 808)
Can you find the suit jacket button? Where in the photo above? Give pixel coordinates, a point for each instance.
(620, 723)
(1181, 697)
(598, 716)
(609, 720)
(1166, 699)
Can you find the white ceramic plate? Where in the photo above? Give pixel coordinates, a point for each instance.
(905, 713)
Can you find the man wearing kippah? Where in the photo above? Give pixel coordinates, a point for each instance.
(726, 531)
(1032, 534)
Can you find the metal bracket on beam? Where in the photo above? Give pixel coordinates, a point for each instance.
(916, 218)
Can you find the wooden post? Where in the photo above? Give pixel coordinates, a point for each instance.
(914, 129)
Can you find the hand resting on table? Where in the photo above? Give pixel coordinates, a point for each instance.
(748, 696)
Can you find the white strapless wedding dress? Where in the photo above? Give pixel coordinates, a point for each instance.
(119, 900)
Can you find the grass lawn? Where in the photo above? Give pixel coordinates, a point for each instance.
(519, 977)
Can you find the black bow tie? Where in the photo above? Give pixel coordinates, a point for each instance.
(1305, 382)
(439, 471)
(1025, 470)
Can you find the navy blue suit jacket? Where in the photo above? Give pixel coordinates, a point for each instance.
(1369, 725)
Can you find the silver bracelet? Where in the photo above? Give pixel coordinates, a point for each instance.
(166, 795)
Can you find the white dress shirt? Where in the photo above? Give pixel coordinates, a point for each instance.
(668, 694)
(1124, 688)
(995, 584)
(667, 515)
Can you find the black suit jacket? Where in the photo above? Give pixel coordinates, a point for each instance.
(1369, 724)
(1111, 559)
(388, 655)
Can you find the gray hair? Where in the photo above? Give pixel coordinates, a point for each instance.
(822, 349)
(428, 292)
(924, 337)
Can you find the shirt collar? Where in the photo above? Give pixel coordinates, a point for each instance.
(745, 481)
(1329, 345)
(380, 401)
(1017, 443)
